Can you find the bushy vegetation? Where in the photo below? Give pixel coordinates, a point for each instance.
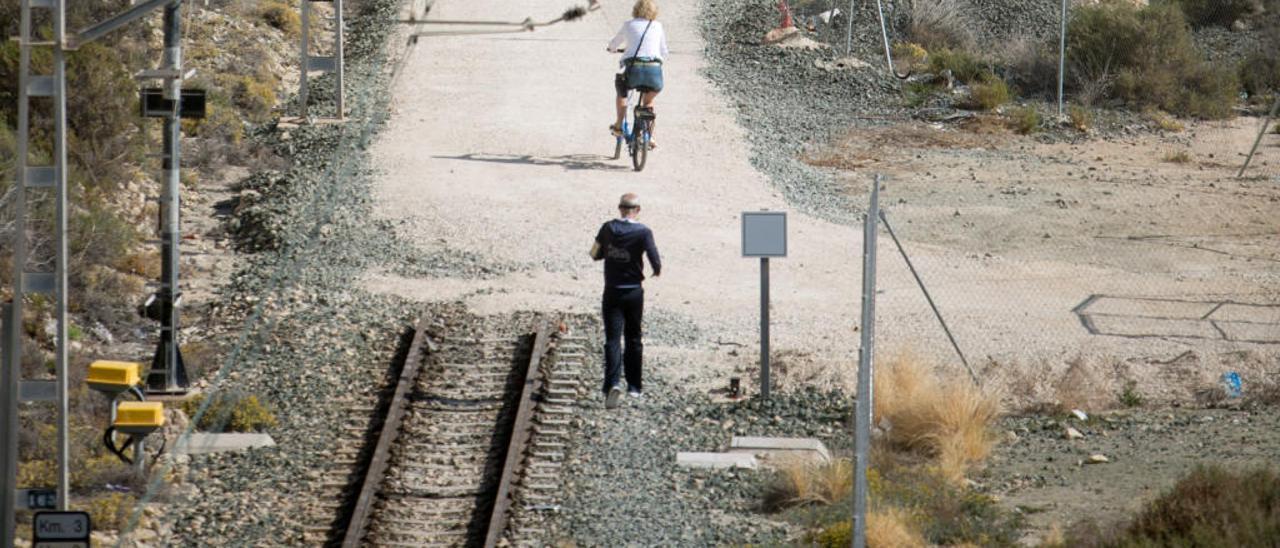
(231, 413)
(1119, 55)
(989, 93)
(281, 16)
(1211, 506)
(1079, 117)
(1203, 13)
(937, 428)
(110, 512)
(937, 24)
(1144, 57)
(965, 67)
(1025, 120)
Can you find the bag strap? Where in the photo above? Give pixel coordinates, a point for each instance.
(642, 35)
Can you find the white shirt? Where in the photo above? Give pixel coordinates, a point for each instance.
(654, 45)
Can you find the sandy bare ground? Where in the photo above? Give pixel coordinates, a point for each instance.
(1142, 258)
(1039, 255)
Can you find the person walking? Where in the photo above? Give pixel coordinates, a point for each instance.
(622, 244)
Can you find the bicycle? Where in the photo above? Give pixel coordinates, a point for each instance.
(636, 131)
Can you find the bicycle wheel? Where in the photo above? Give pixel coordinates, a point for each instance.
(640, 145)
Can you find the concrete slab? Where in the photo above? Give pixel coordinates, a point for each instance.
(776, 448)
(716, 460)
(200, 444)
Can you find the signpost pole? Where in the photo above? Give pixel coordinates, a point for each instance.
(764, 327)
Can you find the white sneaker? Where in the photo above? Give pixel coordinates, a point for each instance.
(635, 394)
(611, 400)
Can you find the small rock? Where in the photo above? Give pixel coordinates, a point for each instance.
(1073, 434)
(1080, 414)
(1097, 458)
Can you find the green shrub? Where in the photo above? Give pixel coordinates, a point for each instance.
(1204, 13)
(281, 16)
(1260, 73)
(1129, 396)
(964, 66)
(989, 93)
(1211, 506)
(836, 535)
(231, 413)
(254, 97)
(222, 124)
(98, 240)
(1025, 120)
(1079, 117)
(1148, 57)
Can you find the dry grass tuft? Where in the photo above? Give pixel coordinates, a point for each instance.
(892, 528)
(800, 482)
(1164, 121)
(1177, 157)
(948, 419)
(939, 24)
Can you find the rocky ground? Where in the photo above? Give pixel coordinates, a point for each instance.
(1047, 474)
(293, 327)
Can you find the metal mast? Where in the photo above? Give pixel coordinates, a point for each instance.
(31, 181)
(168, 374)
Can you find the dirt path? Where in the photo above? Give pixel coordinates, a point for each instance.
(498, 147)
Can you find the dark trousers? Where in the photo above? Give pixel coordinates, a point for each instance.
(623, 313)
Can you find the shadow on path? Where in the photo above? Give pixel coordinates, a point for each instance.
(568, 161)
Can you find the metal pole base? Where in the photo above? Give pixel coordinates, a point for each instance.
(165, 378)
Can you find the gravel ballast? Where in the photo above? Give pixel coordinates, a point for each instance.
(296, 330)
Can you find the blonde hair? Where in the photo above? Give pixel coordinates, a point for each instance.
(645, 9)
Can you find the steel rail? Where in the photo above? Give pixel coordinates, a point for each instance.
(361, 512)
(520, 430)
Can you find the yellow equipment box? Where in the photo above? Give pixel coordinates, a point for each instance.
(109, 376)
(139, 417)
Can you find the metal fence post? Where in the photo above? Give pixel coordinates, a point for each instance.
(1274, 109)
(337, 57)
(866, 353)
(306, 58)
(848, 30)
(1062, 56)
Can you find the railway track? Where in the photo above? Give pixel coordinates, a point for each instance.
(465, 447)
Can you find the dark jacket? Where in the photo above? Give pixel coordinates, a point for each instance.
(623, 245)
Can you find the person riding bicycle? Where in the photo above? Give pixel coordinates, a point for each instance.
(646, 47)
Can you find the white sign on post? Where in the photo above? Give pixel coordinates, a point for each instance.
(764, 235)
